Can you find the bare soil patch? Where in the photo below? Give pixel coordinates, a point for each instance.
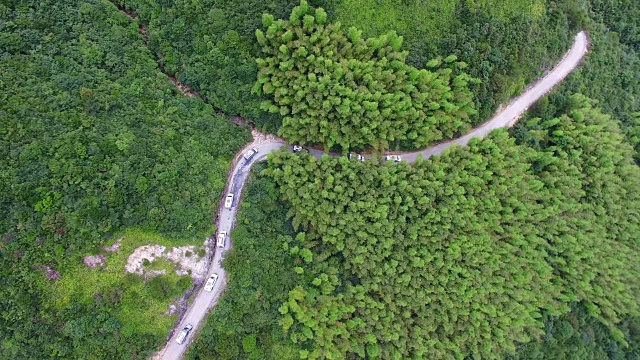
(94, 261)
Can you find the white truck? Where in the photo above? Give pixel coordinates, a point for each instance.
(249, 154)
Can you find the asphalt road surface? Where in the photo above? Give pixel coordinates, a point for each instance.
(205, 300)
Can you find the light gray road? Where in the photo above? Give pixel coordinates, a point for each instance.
(510, 115)
(205, 300)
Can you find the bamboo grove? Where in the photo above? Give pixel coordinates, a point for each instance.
(459, 255)
(339, 89)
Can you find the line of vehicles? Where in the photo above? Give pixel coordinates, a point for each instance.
(221, 240)
(350, 156)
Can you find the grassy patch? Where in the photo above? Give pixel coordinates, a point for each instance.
(376, 17)
(427, 18)
(140, 303)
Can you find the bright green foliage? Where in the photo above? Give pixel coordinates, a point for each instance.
(446, 253)
(93, 140)
(245, 323)
(138, 304)
(594, 191)
(462, 253)
(336, 88)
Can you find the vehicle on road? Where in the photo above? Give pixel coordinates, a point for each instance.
(211, 282)
(249, 154)
(298, 148)
(395, 158)
(355, 156)
(222, 239)
(228, 202)
(184, 333)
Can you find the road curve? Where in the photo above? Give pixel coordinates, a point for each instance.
(510, 115)
(205, 300)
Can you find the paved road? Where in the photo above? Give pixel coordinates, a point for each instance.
(205, 300)
(510, 115)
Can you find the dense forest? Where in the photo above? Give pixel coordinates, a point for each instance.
(521, 246)
(335, 88)
(536, 224)
(543, 182)
(211, 45)
(461, 254)
(93, 140)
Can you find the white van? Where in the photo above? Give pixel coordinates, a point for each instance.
(228, 202)
(183, 334)
(211, 282)
(394, 158)
(249, 154)
(222, 237)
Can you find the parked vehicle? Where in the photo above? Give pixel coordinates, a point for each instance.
(184, 333)
(222, 239)
(211, 282)
(228, 202)
(355, 156)
(394, 158)
(249, 154)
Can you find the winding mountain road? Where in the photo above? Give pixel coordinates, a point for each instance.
(205, 300)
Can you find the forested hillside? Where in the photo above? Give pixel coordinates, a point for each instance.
(93, 140)
(461, 254)
(523, 245)
(334, 87)
(210, 45)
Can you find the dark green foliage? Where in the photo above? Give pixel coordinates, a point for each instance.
(622, 17)
(339, 89)
(460, 254)
(507, 44)
(93, 139)
(244, 324)
(579, 336)
(210, 45)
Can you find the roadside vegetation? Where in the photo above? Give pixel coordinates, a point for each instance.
(94, 140)
(140, 303)
(245, 322)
